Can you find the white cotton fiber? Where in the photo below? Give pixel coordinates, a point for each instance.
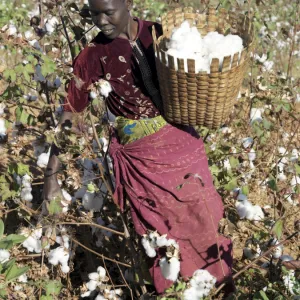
(2, 128)
(43, 159)
(186, 42)
(59, 256)
(104, 88)
(4, 256)
(149, 250)
(200, 285)
(170, 268)
(255, 115)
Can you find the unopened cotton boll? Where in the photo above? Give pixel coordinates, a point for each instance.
(91, 201)
(170, 269)
(4, 256)
(149, 250)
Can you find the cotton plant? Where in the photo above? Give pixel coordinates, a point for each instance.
(187, 43)
(200, 285)
(291, 283)
(252, 249)
(246, 210)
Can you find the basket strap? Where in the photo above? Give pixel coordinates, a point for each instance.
(146, 72)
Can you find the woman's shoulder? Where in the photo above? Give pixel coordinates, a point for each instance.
(92, 51)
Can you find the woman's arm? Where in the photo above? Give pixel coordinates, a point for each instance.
(51, 186)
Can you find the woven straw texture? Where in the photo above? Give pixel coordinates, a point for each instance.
(191, 98)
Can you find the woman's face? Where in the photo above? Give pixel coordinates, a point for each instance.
(111, 16)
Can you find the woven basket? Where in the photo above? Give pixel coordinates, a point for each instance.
(191, 98)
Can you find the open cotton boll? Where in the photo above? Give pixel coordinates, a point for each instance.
(26, 194)
(59, 255)
(247, 142)
(105, 87)
(2, 128)
(43, 159)
(100, 297)
(170, 269)
(162, 241)
(149, 250)
(255, 114)
(295, 180)
(2, 108)
(32, 244)
(200, 285)
(4, 256)
(294, 155)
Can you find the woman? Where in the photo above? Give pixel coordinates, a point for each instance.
(160, 168)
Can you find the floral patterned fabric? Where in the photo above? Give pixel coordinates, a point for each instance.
(114, 61)
(133, 130)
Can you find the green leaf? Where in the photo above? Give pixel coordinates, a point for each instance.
(277, 229)
(21, 115)
(297, 168)
(180, 286)
(245, 190)
(234, 162)
(55, 206)
(272, 184)
(232, 184)
(3, 293)
(11, 240)
(53, 287)
(261, 295)
(19, 169)
(46, 298)
(1, 228)
(267, 124)
(14, 272)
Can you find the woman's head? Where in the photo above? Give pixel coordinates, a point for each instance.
(111, 16)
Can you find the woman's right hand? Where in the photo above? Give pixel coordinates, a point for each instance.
(51, 188)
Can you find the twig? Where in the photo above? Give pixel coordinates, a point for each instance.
(101, 255)
(93, 224)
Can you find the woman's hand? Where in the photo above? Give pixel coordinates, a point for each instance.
(51, 188)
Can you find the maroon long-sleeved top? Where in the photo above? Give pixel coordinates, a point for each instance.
(114, 61)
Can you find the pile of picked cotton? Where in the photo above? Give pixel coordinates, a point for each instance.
(187, 43)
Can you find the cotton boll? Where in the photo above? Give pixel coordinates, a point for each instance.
(250, 253)
(32, 245)
(43, 159)
(258, 213)
(92, 285)
(26, 194)
(100, 297)
(2, 128)
(28, 34)
(294, 156)
(242, 209)
(105, 87)
(285, 257)
(94, 276)
(149, 250)
(242, 197)
(102, 273)
(170, 269)
(281, 176)
(35, 44)
(66, 195)
(86, 294)
(251, 155)
(255, 114)
(59, 255)
(12, 30)
(162, 241)
(4, 256)
(93, 95)
(91, 201)
(2, 108)
(295, 180)
(247, 142)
